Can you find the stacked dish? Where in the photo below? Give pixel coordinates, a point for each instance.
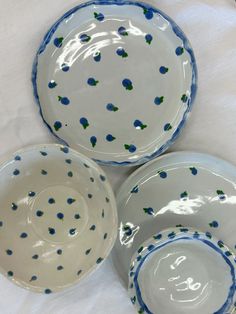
(115, 81)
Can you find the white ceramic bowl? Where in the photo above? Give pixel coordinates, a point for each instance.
(183, 271)
(58, 217)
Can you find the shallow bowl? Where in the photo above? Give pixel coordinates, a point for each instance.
(182, 271)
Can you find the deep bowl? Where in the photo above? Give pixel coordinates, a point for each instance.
(58, 218)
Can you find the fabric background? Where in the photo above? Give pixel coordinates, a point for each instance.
(210, 25)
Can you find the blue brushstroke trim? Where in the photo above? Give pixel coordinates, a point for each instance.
(179, 33)
(229, 300)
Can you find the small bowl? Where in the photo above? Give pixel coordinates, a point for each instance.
(183, 271)
(58, 218)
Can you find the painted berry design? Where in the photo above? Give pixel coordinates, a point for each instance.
(167, 127)
(84, 38)
(84, 122)
(159, 100)
(148, 13)
(92, 81)
(99, 16)
(148, 39)
(52, 84)
(58, 42)
(122, 53)
(97, 56)
(179, 51)
(122, 31)
(221, 195)
(64, 100)
(149, 211)
(139, 125)
(93, 141)
(131, 148)
(111, 107)
(57, 125)
(163, 70)
(127, 84)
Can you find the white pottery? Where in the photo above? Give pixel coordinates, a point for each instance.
(185, 188)
(115, 80)
(183, 271)
(58, 217)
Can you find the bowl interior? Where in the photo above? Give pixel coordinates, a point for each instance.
(58, 217)
(184, 273)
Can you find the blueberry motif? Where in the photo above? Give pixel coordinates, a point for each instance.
(111, 107)
(92, 228)
(148, 13)
(17, 158)
(110, 138)
(65, 67)
(127, 84)
(35, 256)
(60, 267)
(163, 70)
(214, 224)
(122, 31)
(9, 252)
(84, 123)
(184, 98)
(24, 235)
(58, 42)
(171, 235)
(99, 260)
(149, 211)
(72, 231)
(10, 273)
(52, 84)
(88, 251)
(51, 231)
(51, 200)
(184, 195)
(44, 154)
(103, 213)
(148, 39)
(16, 172)
(33, 278)
(105, 236)
(102, 178)
(70, 174)
(47, 291)
(228, 253)
(151, 247)
(221, 195)
(183, 230)
(70, 200)
(97, 56)
(92, 82)
(122, 53)
(57, 125)
(1, 223)
(99, 16)
(64, 100)
(107, 200)
(135, 190)
(60, 216)
(193, 170)
(140, 249)
(220, 243)
(196, 234)
(39, 213)
(158, 237)
(44, 172)
(31, 194)
(208, 234)
(59, 251)
(93, 140)
(92, 179)
(131, 148)
(167, 127)
(139, 125)
(179, 51)
(64, 149)
(159, 100)
(86, 166)
(14, 206)
(79, 272)
(162, 174)
(77, 216)
(68, 161)
(84, 38)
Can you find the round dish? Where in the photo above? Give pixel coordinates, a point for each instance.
(183, 271)
(188, 189)
(115, 80)
(58, 217)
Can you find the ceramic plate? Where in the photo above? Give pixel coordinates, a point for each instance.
(115, 80)
(183, 271)
(188, 189)
(57, 217)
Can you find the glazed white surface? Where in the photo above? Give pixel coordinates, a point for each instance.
(211, 128)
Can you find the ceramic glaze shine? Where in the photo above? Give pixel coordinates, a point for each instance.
(184, 277)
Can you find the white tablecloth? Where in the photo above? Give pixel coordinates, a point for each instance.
(211, 27)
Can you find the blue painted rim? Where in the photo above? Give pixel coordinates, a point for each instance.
(179, 33)
(229, 300)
